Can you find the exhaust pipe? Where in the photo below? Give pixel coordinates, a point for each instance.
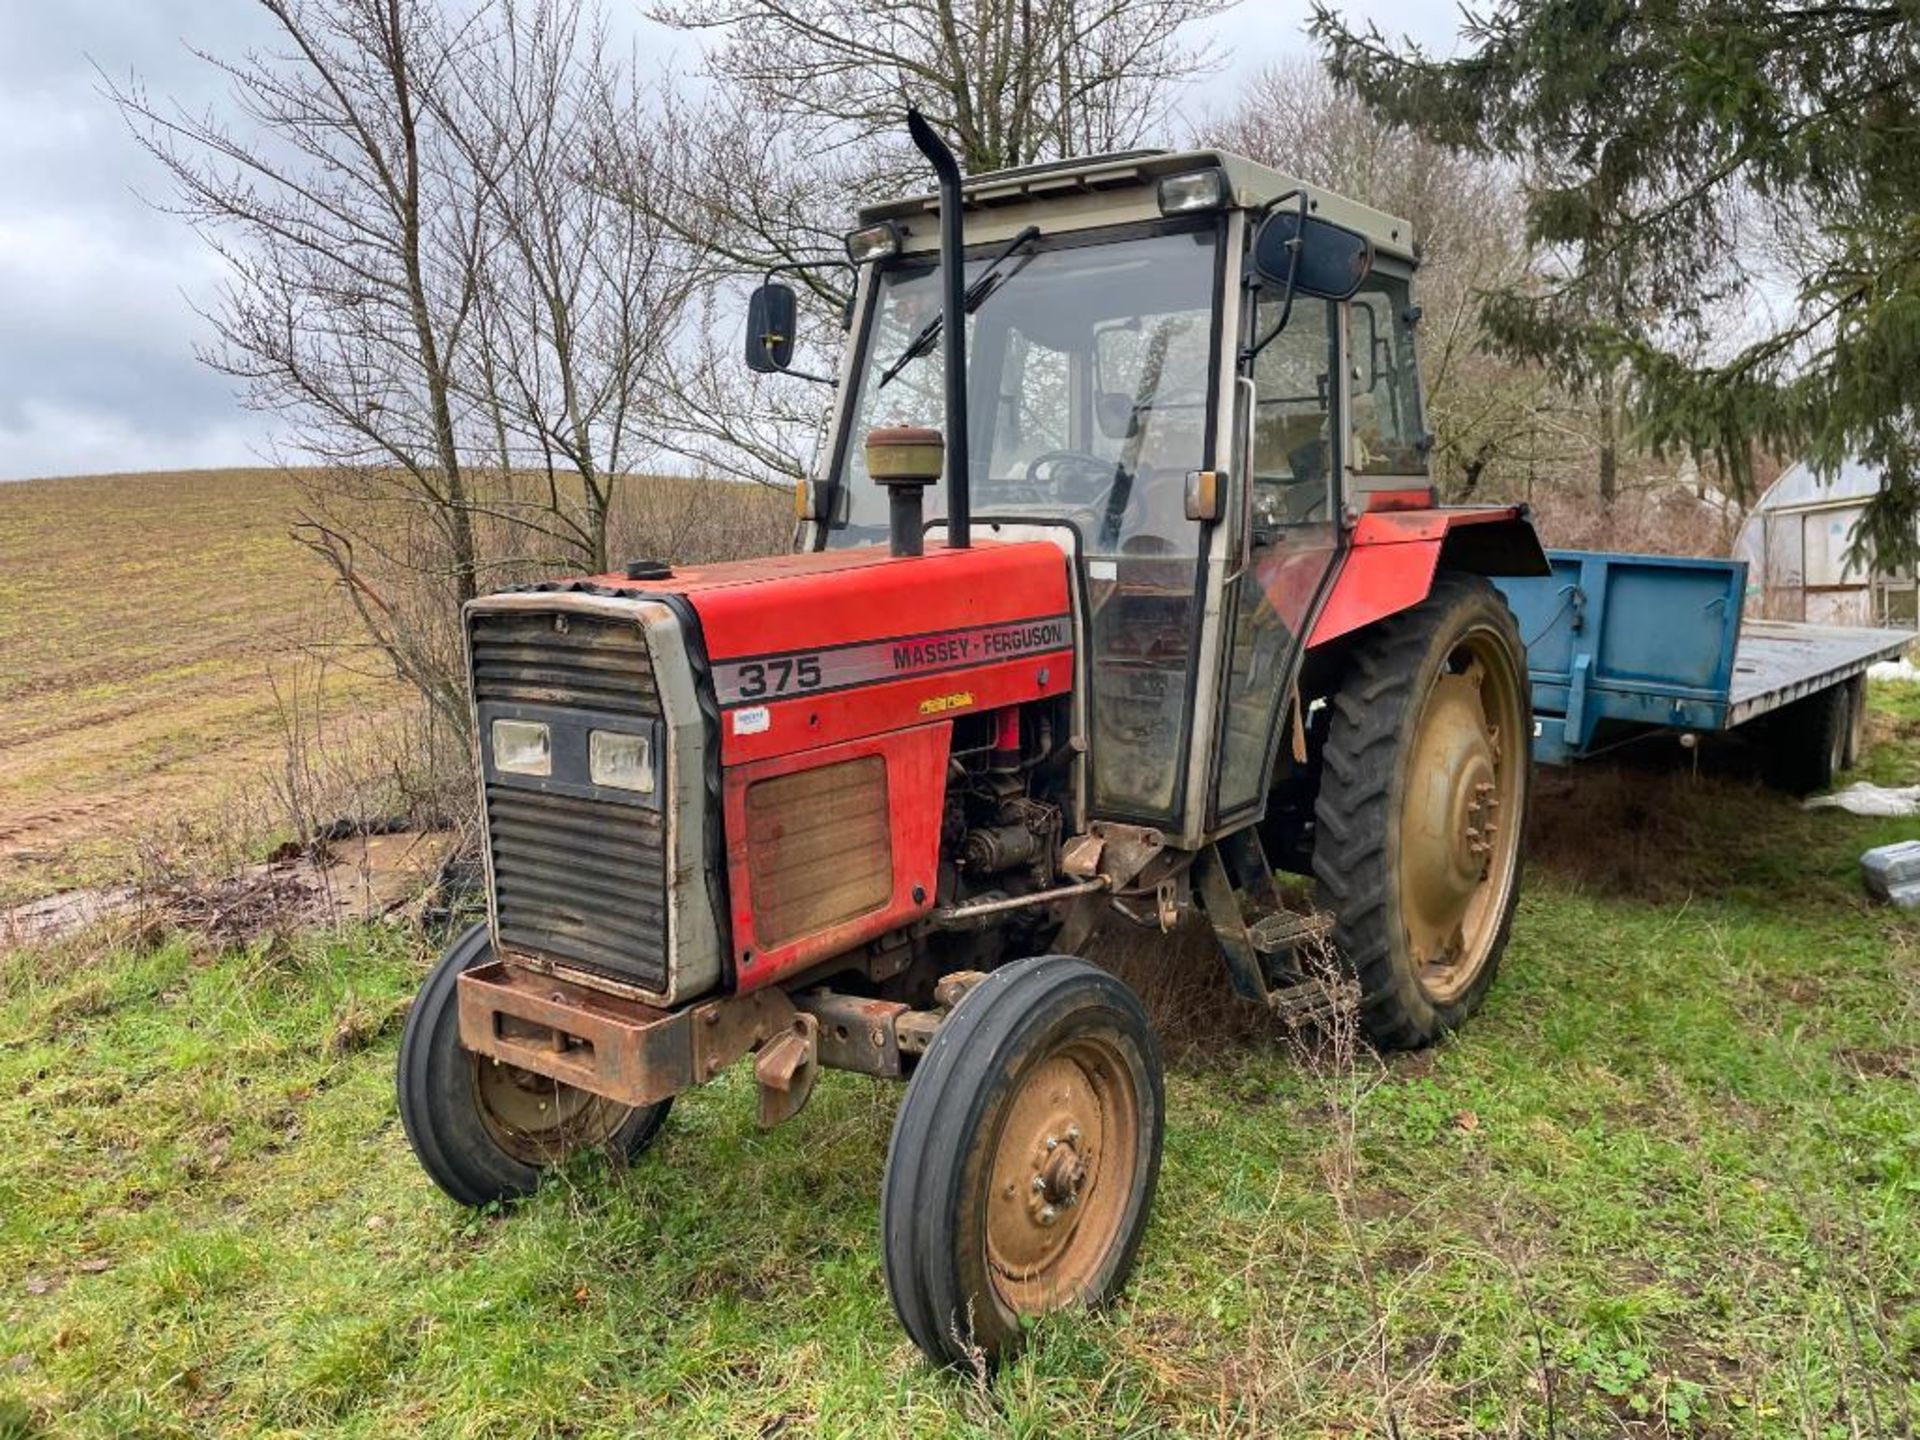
(953, 324)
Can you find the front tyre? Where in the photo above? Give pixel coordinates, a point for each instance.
(482, 1130)
(1423, 797)
(1023, 1160)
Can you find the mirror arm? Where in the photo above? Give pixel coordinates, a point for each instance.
(1299, 198)
(847, 313)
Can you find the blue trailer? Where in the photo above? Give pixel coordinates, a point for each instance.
(1623, 646)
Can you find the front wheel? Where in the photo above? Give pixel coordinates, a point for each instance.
(1423, 797)
(1024, 1158)
(483, 1130)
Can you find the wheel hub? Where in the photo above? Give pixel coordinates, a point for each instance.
(537, 1120)
(1457, 844)
(1051, 1214)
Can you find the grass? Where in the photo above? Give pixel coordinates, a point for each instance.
(1666, 1183)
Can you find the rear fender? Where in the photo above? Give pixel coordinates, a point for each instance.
(1390, 564)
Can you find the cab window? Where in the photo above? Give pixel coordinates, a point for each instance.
(1384, 380)
(1293, 423)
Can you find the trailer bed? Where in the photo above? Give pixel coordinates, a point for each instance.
(1777, 662)
(1622, 645)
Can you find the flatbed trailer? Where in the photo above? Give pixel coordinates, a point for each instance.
(1622, 646)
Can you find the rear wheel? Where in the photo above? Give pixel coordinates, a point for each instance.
(483, 1130)
(1807, 742)
(1024, 1158)
(1423, 798)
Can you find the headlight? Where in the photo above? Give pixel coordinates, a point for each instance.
(875, 242)
(1196, 190)
(624, 762)
(522, 747)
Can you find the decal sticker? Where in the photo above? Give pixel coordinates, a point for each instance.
(803, 672)
(752, 720)
(940, 704)
(1103, 569)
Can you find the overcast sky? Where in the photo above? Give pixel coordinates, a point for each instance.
(98, 290)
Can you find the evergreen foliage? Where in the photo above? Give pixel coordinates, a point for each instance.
(1729, 194)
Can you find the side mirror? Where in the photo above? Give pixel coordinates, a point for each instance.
(772, 312)
(1321, 258)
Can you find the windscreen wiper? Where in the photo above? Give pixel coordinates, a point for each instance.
(988, 281)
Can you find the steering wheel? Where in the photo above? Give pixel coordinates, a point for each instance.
(1095, 479)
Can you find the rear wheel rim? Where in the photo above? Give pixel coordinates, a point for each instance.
(1061, 1176)
(1460, 814)
(537, 1120)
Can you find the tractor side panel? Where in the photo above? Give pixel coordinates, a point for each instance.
(830, 848)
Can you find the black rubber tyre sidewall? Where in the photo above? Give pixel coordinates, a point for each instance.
(1856, 742)
(1807, 741)
(438, 1110)
(932, 1199)
(1364, 777)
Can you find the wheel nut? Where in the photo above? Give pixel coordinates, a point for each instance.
(1039, 1184)
(1048, 1214)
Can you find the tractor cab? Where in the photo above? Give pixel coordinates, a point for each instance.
(1194, 373)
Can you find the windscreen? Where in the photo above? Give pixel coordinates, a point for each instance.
(1090, 383)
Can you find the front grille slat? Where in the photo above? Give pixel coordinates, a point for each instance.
(575, 879)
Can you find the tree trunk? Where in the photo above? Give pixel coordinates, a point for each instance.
(1609, 442)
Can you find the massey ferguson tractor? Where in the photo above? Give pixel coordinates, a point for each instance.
(1120, 584)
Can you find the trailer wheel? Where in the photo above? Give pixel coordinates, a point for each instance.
(484, 1131)
(1423, 799)
(1024, 1158)
(1856, 745)
(1807, 742)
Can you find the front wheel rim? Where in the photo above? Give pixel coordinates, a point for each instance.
(537, 1120)
(1461, 814)
(1061, 1177)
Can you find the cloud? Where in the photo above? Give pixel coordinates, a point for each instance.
(98, 290)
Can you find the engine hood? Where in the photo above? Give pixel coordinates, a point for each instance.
(811, 649)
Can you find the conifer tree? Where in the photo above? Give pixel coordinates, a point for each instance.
(1730, 193)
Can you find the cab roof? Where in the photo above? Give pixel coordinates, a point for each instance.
(1104, 189)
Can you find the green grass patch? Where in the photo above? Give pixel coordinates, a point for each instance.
(1666, 1183)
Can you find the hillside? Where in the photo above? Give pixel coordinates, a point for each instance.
(144, 623)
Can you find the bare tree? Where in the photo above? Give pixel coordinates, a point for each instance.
(426, 287)
(580, 292)
(805, 118)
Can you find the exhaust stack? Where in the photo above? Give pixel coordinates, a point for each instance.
(953, 325)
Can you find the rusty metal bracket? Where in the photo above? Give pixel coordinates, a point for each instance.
(856, 1033)
(606, 1043)
(1126, 850)
(786, 1068)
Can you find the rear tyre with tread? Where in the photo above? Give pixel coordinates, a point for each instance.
(1807, 742)
(484, 1131)
(1024, 1158)
(1425, 779)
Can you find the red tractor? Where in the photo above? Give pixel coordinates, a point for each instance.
(1184, 611)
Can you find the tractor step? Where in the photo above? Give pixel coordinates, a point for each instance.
(1284, 931)
(1309, 1002)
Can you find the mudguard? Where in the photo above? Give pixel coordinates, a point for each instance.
(1390, 561)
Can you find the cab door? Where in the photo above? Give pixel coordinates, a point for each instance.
(1291, 444)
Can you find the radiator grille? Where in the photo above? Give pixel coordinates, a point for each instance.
(819, 849)
(575, 879)
(593, 664)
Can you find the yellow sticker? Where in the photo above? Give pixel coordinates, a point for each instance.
(940, 704)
